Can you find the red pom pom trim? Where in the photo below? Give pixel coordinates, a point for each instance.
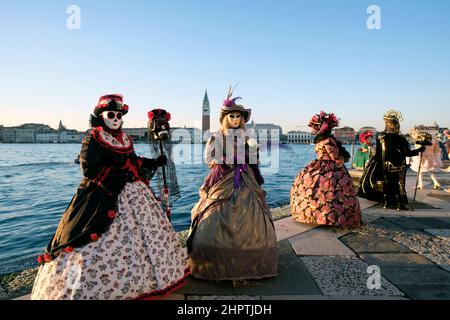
(150, 115)
(40, 259)
(168, 116)
(111, 214)
(94, 237)
(68, 249)
(47, 257)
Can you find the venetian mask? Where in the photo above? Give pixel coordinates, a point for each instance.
(234, 120)
(113, 119)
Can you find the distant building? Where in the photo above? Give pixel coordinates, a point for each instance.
(9, 135)
(433, 130)
(205, 117)
(137, 134)
(25, 135)
(47, 137)
(186, 135)
(266, 132)
(300, 137)
(345, 134)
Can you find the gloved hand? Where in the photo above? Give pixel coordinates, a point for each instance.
(421, 149)
(161, 161)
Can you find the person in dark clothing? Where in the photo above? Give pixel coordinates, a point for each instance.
(113, 240)
(385, 176)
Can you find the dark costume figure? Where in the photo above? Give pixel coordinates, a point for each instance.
(323, 191)
(232, 236)
(384, 178)
(113, 241)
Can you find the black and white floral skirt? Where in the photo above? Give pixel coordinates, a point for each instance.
(139, 257)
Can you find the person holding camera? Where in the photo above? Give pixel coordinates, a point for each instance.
(323, 192)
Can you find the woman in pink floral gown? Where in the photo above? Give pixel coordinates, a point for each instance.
(323, 192)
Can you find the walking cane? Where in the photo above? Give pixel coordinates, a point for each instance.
(159, 128)
(417, 182)
(165, 189)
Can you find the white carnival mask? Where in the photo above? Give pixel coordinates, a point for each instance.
(113, 119)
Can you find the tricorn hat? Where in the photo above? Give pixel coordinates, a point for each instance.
(110, 102)
(229, 106)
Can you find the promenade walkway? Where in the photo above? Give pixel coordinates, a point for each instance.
(410, 249)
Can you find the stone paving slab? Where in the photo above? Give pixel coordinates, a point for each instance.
(234, 297)
(293, 277)
(364, 203)
(420, 282)
(441, 233)
(433, 248)
(321, 241)
(395, 260)
(371, 243)
(294, 297)
(383, 222)
(418, 291)
(288, 227)
(345, 276)
(195, 286)
(412, 223)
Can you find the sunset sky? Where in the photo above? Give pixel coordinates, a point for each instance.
(292, 59)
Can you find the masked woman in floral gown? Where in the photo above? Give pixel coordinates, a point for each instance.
(113, 241)
(323, 192)
(232, 236)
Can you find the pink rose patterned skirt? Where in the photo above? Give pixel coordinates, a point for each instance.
(323, 193)
(139, 257)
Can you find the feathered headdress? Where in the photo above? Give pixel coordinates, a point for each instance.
(323, 122)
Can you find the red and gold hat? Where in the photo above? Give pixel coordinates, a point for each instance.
(111, 102)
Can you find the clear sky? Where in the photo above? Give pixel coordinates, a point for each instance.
(292, 59)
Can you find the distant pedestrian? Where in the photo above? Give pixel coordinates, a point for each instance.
(363, 154)
(430, 162)
(323, 192)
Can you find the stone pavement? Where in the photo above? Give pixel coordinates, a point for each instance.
(410, 249)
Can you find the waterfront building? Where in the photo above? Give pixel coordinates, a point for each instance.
(186, 135)
(205, 117)
(433, 129)
(47, 137)
(137, 134)
(300, 137)
(345, 134)
(24, 135)
(9, 135)
(265, 132)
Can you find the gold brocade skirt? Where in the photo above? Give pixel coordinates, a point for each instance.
(233, 236)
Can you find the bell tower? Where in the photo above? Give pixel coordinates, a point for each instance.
(205, 116)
